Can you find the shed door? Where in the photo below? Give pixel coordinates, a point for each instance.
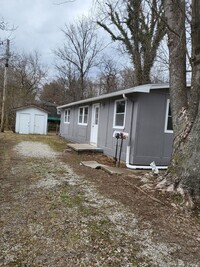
(95, 124)
(39, 122)
(24, 123)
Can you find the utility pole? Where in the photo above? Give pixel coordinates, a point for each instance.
(5, 85)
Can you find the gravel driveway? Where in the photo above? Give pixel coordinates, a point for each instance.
(50, 216)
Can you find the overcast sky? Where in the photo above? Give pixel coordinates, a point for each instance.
(38, 24)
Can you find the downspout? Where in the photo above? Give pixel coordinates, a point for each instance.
(128, 150)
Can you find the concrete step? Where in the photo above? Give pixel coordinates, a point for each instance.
(85, 148)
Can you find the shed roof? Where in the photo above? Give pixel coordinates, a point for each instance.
(30, 106)
(137, 89)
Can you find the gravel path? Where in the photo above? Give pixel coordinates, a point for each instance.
(50, 216)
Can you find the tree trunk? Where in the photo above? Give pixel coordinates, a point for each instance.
(82, 85)
(138, 69)
(147, 72)
(142, 71)
(184, 168)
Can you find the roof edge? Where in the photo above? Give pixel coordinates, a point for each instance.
(30, 106)
(146, 88)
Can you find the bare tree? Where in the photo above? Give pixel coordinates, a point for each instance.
(54, 92)
(139, 27)
(127, 77)
(80, 49)
(184, 169)
(108, 79)
(4, 26)
(71, 82)
(25, 77)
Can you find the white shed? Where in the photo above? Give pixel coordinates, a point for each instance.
(31, 120)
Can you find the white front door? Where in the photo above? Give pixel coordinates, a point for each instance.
(39, 124)
(95, 124)
(24, 123)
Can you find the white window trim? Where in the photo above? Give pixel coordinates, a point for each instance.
(68, 116)
(166, 118)
(82, 123)
(114, 118)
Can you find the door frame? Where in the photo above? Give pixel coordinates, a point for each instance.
(94, 127)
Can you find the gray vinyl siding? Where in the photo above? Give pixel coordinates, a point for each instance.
(151, 142)
(73, 131)
(106, 129)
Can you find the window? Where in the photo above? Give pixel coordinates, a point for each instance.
(168, 119)
(96, 120)
(83, 115)
(119, 115)
(67, 116)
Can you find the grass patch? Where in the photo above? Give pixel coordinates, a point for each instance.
(178, 199)
(99, 229)
(74, 236)
(72, 200)
(54, 141)
(88, 211)
(77, 200)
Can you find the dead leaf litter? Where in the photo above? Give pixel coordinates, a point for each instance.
(51, 216)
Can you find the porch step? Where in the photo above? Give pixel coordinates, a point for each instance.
(85, 148)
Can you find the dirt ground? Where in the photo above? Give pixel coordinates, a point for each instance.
(56, 212)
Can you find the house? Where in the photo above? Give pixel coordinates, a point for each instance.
(141, 113)
(31, 120)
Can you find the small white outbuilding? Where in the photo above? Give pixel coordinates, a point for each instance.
(31, 120)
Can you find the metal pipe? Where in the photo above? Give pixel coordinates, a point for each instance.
(120, 151)
(116, 149)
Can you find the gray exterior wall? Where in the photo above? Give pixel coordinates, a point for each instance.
(72, 131)
(150, 142)
(106, 130)
(145, 120)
